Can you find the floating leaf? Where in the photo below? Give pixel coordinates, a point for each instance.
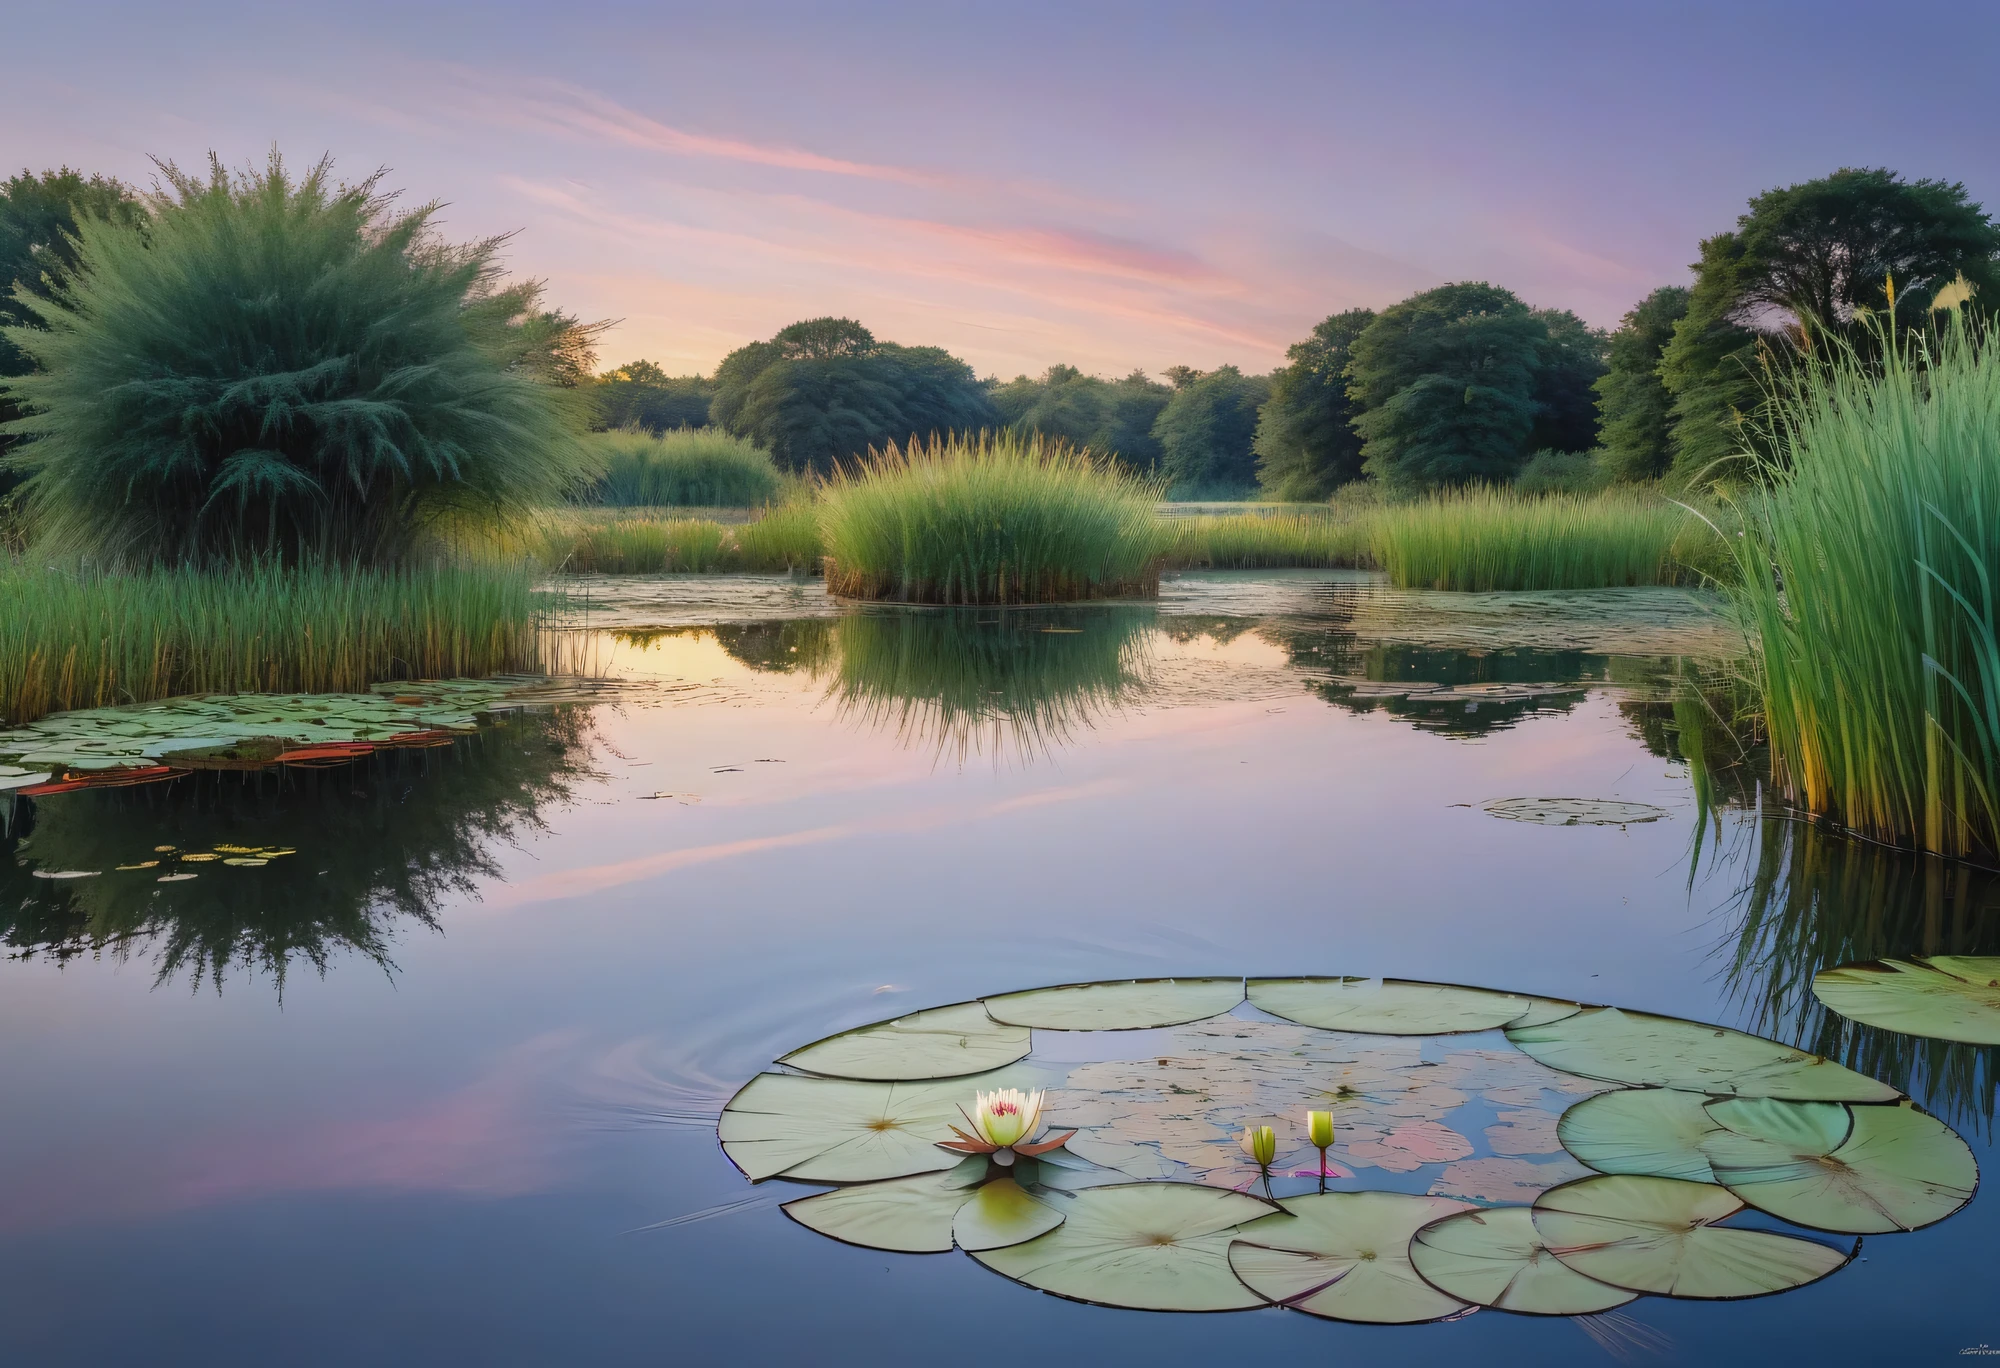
(1496, 1258)
(1667, 1052)
(1659, 1235)
(176, 878)
(1002, 1213)
(907, 1215)
(1148, 1246)
(1573, 811)
(65, 873)
(1544, 1010)
(1944, 997)
(20, 778)
(1137, 1004)
(1385, 1006)
(1856, 1170)
(944, 1042)
(1344, 1256)
(839, 1130)
(1655, 1131)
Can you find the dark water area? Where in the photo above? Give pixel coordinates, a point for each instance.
(442, 1086)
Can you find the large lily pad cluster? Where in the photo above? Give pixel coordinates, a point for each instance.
(148, 741)
(1492, 1150)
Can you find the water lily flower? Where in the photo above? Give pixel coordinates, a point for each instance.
(1003, 1124)
(1260, 1143)
(1319, 1130)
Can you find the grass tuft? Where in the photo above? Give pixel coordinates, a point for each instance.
(688, 467)
(1484, 538)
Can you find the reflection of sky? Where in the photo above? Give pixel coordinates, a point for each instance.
(468, 1128)
(1109, 186)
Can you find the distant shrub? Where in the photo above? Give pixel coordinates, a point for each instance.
(685, 468)
(1562, 472)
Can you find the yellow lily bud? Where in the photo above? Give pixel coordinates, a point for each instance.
(1260, 1143)
(1319, 1128)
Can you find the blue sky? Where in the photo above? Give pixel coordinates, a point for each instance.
(1113, 186)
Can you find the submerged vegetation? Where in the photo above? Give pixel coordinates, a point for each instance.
(992, 519)
(84, 640)
(1869, 570)
(687, 467)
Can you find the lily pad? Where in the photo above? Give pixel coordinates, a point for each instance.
(1573, 811)
(944, 1042)
(21, 778)
(1667, 1052)
(1944, 997)
(1855, 1170)
(907, 1215)
(1495, 1257)
(1385, 1006)
(1345, 1256)
(1148, 1246)
(839, 1130)
(1002, 1213)
(1133, 1005)
(1542, 1011)
(1652, 1131)
(1659, 1235)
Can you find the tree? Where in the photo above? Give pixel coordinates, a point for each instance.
(1805, 258)
(1632, 399)
(1206, 432)
(640, 394)
(1572, 359)
(825, 390)
(1110, 417)
(286, 368)
(1446, 385)
(38, 226)
(1306, 445)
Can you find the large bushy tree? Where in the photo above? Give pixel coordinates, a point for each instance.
(1207, 433)
(1306, 445)
(1111, 417)
(1804, 258)
(1632, 399)
(825, 390)
(1446, 381)
(287, 367)
(1572, 360)
(642, 395)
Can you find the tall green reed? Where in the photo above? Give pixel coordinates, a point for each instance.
(1485, 538)
(997, 518)
(1869, 568)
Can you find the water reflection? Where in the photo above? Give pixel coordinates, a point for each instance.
(377, 843)
(1811, 899)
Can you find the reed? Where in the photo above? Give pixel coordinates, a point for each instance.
(1870, 565)
(688, 467)
(1250, 541)
(1484, 538)
(999, 518)
(74, 639)
(637, 546)
(785, 538)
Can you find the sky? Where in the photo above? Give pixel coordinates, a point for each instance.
(1113, 186)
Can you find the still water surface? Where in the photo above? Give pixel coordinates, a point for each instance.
(442, 1087)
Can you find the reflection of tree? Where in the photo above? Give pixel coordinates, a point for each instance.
(378, 840)
(1814, 899)
(797, 644)
(966, 680)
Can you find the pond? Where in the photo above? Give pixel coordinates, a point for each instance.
(418, 1056)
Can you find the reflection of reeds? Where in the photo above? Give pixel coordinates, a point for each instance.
(386, 838)
(1815, 899)
(968, 681)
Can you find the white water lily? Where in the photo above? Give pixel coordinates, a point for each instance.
(1004, 1123)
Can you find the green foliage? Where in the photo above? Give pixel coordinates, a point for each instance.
(1562, 472)
(1306, 445)
(1632, 399)
(1252, 541)
(70, 640)
(999, 519)
(785, 538)
(687, 467)
(824, 391)
(1109, 417)
(1869, 564)
(1446, 382)
(285, 368)
(1484, 538)
(1572, 361)
(1207, 433)
(642, 395)
(1807, 257)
